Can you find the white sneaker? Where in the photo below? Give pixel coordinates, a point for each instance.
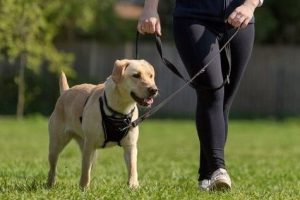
(204, 184)
(220, 180)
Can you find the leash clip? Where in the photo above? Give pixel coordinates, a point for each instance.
(126, 127)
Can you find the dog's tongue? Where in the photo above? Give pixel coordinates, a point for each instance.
(148, 101)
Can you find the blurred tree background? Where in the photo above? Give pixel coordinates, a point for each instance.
(276, 22)
(29, 30)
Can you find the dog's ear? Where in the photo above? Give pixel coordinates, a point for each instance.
(118, 71)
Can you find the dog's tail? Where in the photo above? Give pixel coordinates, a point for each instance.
(63, 83)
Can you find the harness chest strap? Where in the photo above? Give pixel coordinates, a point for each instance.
(113, 126)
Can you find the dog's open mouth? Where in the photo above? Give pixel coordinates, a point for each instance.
(143, 102)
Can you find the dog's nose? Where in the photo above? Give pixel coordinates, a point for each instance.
(152, 91)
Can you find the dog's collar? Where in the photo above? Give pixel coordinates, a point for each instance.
(114, 112)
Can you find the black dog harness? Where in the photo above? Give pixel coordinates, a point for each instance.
(114, 127)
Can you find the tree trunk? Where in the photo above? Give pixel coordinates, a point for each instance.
(21, 87)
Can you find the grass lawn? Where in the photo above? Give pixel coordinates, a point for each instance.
(263, 158)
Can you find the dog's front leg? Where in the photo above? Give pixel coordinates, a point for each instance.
(130, 155)
(87, 161)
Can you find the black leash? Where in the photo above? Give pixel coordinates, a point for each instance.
(175, 70)
(159, 49)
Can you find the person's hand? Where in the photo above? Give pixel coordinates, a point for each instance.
(149, 22)
(241, 16)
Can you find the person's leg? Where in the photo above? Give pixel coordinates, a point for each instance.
(240, 48)
(196, 46)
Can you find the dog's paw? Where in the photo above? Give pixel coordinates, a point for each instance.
(133, 184)
(51, 181)
(49, 185)
(83, 184)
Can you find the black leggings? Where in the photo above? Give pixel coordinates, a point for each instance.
(197, 44)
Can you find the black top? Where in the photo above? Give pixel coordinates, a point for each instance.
(206, 10)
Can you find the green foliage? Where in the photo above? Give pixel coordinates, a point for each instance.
(26, 30)
(287, 16)
(8, 94)
(265, 24)
(41, 91)
(94, 19)
(262, 159)
(26, 39)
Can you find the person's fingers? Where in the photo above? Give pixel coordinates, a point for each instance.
(150, 26)
(158, 28)
(144, 25)
(245, 23)
(239, 19)
(231, 17)
(140, 28)
(154, 22)
(241, 16)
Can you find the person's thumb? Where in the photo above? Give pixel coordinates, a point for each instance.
(158, 28)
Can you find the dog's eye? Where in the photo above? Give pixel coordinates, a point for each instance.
(151, 75)
(137, 75)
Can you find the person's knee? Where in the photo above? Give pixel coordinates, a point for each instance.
(208, 97)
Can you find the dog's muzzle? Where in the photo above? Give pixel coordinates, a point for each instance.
(152, 92)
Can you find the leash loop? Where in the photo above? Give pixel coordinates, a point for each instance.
(164, 60)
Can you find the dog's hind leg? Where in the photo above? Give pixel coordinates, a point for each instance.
(80, 141)
(58, 140)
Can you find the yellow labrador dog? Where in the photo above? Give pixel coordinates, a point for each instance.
(95, 116)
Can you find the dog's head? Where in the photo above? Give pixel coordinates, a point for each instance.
(135, 78)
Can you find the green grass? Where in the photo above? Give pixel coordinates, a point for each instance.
(263, 158)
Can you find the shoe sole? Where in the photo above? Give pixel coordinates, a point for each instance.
(219, 185)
